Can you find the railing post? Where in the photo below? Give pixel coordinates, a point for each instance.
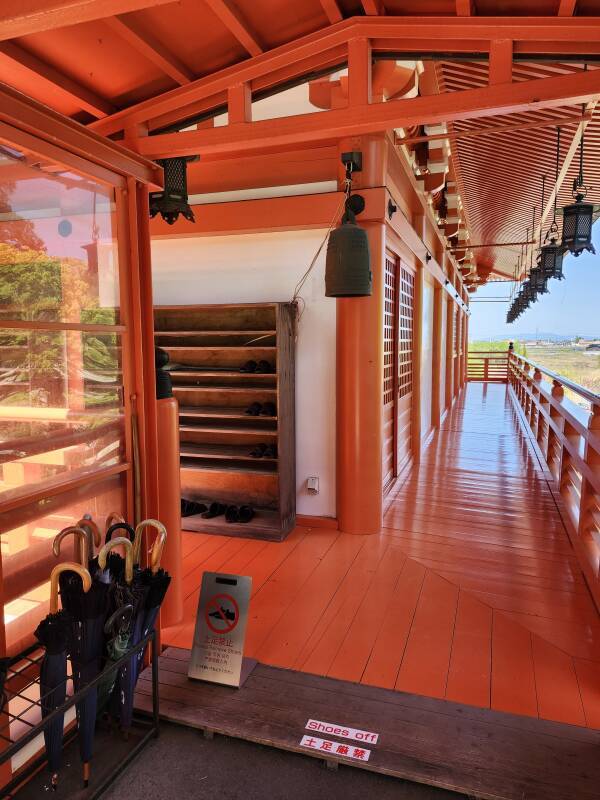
(590, 499)
(486, 368)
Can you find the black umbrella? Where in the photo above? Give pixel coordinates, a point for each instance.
(118, 629)
(54, 634)
(157, 581)
(116, 562)
(88, 610)
(125, 591)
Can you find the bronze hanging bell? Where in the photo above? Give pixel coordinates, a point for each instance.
(348, 261)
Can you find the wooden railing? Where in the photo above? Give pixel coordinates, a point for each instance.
(568, 436)
(488, 365)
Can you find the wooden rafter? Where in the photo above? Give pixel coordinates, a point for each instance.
(567, 8)
(311, 52)
(233, 20)
(332, 10)
(566, 165)
(47, 76)
(150, 48)
(354, 121)
(21, 17)
(373, 8)
(465, 8)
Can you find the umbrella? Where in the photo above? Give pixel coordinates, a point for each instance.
(54, 634)
(83, 542)
(116, 563)
(157, 581)
(126, 591)
(88, 611)
(87, 524)
(118, 626)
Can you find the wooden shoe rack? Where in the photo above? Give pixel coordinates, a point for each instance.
(207, 346)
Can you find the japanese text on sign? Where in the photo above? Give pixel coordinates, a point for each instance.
(326, 746)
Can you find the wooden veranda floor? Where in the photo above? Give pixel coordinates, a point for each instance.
(470, 593)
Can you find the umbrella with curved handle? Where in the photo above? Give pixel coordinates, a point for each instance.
(120, 541)
(139, 533)
(55, 634)
(81, 535)
(87, 524)
(112, 518)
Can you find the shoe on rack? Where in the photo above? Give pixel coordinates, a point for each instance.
(249, 366)
(268, 410)
(232, 514)
(190, 507)
(258, 451)
(214, 510)
(245, 514)
(254, 410)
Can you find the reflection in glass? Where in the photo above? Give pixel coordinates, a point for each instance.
(61, 397)
(58, 251)
(27, 557)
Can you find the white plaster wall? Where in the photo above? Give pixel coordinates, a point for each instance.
(266, 267)
(426, 357)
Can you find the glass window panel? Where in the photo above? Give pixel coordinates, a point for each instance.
(61, 406)
(58, 247)
(27, 557)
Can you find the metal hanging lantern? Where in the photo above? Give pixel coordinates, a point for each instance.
(173, 199)
(578, 217)
(348, 261)
(577, 224)
(551, 255)
(538, 280)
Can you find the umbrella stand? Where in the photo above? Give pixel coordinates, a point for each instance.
(54, 633)
(30, 730)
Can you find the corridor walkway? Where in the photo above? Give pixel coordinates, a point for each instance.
(471, 592)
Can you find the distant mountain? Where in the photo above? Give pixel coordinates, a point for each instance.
(534, 337)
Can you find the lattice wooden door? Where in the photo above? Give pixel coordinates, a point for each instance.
(405, 366)
(390, 378)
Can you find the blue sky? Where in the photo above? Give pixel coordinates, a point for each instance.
(571, 307)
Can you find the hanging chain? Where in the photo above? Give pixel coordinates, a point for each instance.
(579, 189)
(554, 227)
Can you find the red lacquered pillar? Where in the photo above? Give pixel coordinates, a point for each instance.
(169, 506)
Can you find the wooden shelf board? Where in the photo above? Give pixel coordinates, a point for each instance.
(266, 521)
(225, 430)
(219, 412)
(214, 387)
(234, 452)
(221, 373)
(223, 466)
(205, 332)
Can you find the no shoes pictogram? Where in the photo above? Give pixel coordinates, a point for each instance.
(222, 613)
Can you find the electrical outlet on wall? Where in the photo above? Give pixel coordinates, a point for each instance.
(312, 485)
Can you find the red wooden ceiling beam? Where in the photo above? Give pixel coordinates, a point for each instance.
(469, 104)
(567, 8)
(233, 20)
(312, 51)
(373, 8)
(332, 10)
(31, 117)
(150, 48)
(47, 76)
(21, 17)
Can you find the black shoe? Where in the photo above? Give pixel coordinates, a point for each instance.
(268, 410)
(214, 510)
(265, 368)
(270, 451)
(190, 507)
(258, 451)
(245, 514)
(232, 514)
(249, 366)
(254, 410)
